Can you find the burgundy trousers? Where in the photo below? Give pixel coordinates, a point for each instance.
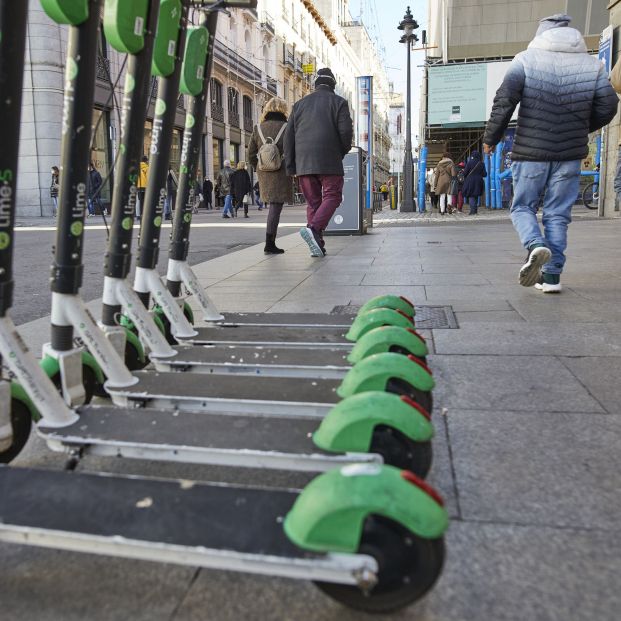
(323, 194)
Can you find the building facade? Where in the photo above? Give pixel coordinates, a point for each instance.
(274, 50)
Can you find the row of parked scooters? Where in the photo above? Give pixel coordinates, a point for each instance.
(348, 398)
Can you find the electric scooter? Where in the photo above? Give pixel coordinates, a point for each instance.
(181, 429)
(387, 554)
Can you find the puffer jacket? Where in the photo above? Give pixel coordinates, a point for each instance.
(564, 94)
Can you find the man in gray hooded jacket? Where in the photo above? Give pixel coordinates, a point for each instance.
(564, 94)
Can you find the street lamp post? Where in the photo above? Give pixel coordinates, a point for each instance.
(408, 24)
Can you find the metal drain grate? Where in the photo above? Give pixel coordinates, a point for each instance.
(427, 317)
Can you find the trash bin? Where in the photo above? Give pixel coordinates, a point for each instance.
(353, 217)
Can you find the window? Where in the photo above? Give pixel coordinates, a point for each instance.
(218, 154)
(233, 100)
(216, 91)
(100, 151)
(233, 153)
(247, 107)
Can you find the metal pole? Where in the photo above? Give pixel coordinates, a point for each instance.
(408, 200)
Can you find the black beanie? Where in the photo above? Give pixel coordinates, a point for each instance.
(325, 77)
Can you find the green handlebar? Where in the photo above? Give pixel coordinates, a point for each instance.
(329, 514)
(72, 12)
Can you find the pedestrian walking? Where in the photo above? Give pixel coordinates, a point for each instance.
(216, 194)
(474, 186)
(461, 177)
(615, 80)
(208, 193)
(443, 175)
(257, 195)
(54, 189)
(224, 183)
(433, 197)
(172, 183)
(384, 191)
(142, 184)
(94, 182)
(564, 94)
(265, 153)
(240, 186)
(318, 136)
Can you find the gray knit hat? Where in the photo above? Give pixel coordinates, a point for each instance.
(558, 20)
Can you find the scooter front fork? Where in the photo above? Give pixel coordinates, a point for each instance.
(181, 272)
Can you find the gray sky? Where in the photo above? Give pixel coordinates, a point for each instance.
(382, 18)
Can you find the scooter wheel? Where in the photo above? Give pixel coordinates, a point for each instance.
(397, 349)
(408, 568)
(132, 358)
(166, 325)
(401, 387)
(401, 452)
(89, 380)
(21, 421)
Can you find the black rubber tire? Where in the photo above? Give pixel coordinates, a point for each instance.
(89, 379)
(397, 349)
(401, 387)
(588, 196)
(21, 420)
(132, 360)
(167, 330)
(401, 452)
(408, 568)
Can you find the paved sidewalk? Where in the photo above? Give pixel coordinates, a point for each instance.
(527, 451)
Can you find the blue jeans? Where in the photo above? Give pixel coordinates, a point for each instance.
(560, 181)
(168, 203)
(228, 205)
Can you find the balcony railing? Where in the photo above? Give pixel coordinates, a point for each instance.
(248, 123)
(272, 86)
(232, 60)
(233, 118)
(267, 23)
(103, 68)
(217, 112)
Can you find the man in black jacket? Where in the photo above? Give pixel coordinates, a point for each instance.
(563, 94)
(318, 136)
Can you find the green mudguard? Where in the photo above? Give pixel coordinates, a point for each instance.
(51, 366)
(329, 514)
(396, 302)
(72, 12)
(375, 319)
(165, 45)
(388, 338)
(349, 426)
(124, 24)
(374, 372)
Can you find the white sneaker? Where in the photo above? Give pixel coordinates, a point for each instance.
(531, 270)
(313, 244)
(548, 288)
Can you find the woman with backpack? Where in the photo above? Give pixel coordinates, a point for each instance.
(265, 153)
(474, 185)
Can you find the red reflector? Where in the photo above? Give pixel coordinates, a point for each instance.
(416, 334)
(420, 363)
(430, 491)
(415, 405)
(406, 300)
(405, 315)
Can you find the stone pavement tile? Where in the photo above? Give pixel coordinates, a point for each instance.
(542, 469)
(462, 292)
(308, 306)
(491, 573)
(487, 316)
(577, 339)
(543, 308)
(601, 378)
(50, 585)
(516, 383)
(470, 305)
(405, 277)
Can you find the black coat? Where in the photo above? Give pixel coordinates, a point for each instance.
(319, 134)
(474, 174)
(207, 188)
(240, 185)
(94, 182)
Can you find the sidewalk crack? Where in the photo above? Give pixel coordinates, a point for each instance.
(193, 580)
